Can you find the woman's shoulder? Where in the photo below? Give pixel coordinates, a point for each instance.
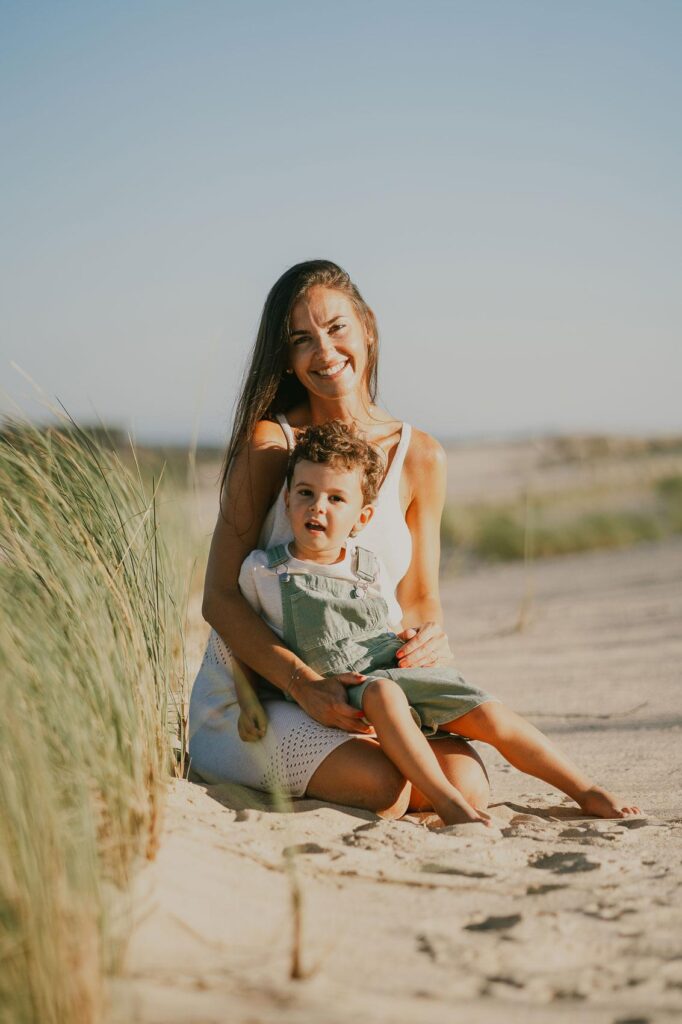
(424, 471)
(298, 416)
(258, 469)
(268, 434)
(425, 455)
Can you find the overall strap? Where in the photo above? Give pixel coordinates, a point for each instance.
(366, 565)
(277, 555)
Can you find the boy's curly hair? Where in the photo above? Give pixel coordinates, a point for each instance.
(338, 445)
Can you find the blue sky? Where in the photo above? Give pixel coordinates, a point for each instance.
(502, 180)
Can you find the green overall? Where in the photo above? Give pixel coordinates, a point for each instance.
(336, 626)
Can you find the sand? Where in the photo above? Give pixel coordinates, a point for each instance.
(548, 916)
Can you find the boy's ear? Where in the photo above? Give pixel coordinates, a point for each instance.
(366, 513)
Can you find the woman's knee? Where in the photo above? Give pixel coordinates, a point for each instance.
(386, 790)
(392, 796)
(464, 767)
(359, 774)
(473, 783)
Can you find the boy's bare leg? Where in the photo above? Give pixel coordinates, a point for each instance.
(461, 763)
(386, 707)
(527, 749)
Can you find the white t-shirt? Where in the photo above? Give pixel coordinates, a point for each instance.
(261, 587)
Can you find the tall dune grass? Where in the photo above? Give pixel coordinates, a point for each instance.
(87, 631)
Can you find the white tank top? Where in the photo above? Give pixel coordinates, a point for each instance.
(387, 533)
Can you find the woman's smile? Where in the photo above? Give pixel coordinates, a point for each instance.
(332, 371)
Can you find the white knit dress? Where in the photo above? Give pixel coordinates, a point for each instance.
(295, 744)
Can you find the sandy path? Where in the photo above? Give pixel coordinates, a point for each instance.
(550, 917)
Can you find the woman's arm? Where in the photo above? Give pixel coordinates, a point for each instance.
(253, 484)
(418, 591)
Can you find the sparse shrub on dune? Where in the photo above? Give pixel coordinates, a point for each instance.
(499, 537)
(669, 491)
(508, 531)
(595, 531)
(451, 533)
(86, 628)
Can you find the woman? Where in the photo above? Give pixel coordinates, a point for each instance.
(316, 359)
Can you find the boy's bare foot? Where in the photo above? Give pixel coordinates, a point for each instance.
(455, 812)
(602, 804)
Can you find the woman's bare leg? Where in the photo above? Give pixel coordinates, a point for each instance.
(359, 774)
(462, 765)
(527, 749)
(386, 707)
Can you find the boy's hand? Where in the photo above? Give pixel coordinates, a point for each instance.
(253, 722)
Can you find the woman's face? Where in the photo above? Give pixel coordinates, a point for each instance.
(328, 344)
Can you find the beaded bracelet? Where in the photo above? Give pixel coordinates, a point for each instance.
(293, 677)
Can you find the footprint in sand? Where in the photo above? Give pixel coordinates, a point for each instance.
(359, 838)
(424, 946)
(494, 924)
(469, 830)
(591, 835)
(540, 890)
(298, 848)
(452, 869)
(563, 863)
(494, 980)
(247, 814)
(606, 911)
(526, 826)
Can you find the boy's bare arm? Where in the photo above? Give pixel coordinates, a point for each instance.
(253, 720)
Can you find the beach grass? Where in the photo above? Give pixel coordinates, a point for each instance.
(89, 653)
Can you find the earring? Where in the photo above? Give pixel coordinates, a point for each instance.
(288, 370)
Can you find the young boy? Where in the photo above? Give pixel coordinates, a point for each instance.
(331, 602)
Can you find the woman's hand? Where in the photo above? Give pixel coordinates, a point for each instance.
(426, 647)
(325, 700)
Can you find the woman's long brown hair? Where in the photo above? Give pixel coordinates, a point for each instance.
(267, 389)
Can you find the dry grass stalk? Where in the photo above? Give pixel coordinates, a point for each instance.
(87, 621)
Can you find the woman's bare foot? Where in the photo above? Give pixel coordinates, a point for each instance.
(459, 812)
(602, 804)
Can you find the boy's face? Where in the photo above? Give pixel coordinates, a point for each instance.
(325, 505)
